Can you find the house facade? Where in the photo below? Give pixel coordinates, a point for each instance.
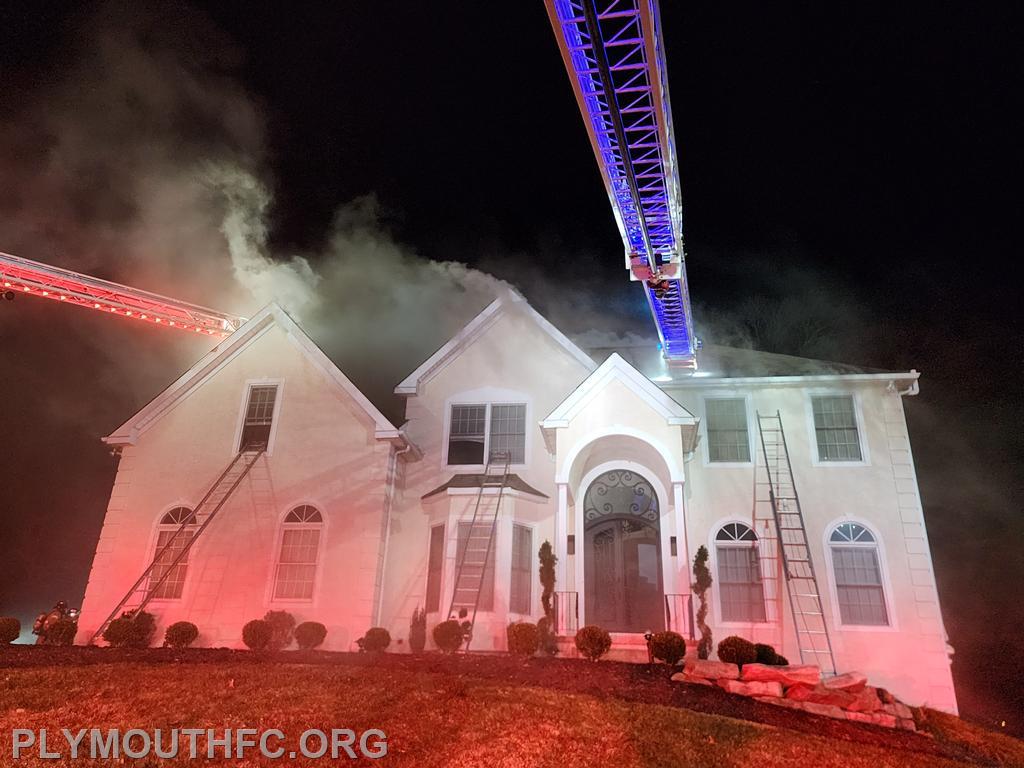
(625, 467)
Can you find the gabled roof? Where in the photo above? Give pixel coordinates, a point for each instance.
(475, 329)
(209, 365)
(615, 368)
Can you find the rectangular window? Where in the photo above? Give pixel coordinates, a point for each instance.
(172, 586)
(859, 586)
(466, 435)
(522, 557)
(474, 574)
(739, 577)
(727, 430)
(835, 425)
(259, 415)
(435, 567)
(508, 432)
(476, 431)
(297, 566)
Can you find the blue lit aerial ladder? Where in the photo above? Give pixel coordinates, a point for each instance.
(615, 56)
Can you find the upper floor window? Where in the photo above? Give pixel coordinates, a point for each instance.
(739, 574)
(728, 439)
(167, 578)
(835, 426)
(477, 431)
(858, 575)
(259, 416)
(300, 546)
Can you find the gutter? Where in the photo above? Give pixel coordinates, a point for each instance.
(389, 498)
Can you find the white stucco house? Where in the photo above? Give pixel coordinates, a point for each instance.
(625, 466)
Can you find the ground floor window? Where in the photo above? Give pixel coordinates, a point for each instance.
(473, 542)
(858, 576)
(522, 557)
(435, 568)
(167, 578)
(739, 574)
(300, 545)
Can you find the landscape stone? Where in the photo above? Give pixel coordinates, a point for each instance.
(686, 677)
(851, 682)
(793, 674)
(825, 710)
(753, 688)
(906, 724)
(712, 670)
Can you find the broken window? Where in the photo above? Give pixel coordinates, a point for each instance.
(259, 416)
(494, 430)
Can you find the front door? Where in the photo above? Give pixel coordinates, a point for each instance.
(623, 554)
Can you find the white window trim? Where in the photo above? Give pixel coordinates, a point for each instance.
(883, 565)
(275, 556)
(812, 433)
(154, 537)
(716, 606)
(275, 419)
(706, 439)
(487, 397)
(534, 575)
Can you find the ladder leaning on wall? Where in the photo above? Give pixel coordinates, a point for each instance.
(474, 557)
(797, 565)
(190, 529)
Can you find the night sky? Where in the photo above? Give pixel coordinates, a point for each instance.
(850, 180)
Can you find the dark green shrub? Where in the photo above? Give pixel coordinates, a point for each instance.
(10, 629)
(701, 585)
(736, 650)
(376, 639)
(670, 647)
(523, 638)
(593, 642)
(546, 636)
(282, 629)
(781, 661)
(257, 634)
(63, 632)
(449, 635)
(766, 654)
(181, 634)
(310, 634)
(132, 629)
(547, 642)
(418, 631)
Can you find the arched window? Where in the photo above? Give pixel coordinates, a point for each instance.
(300, 544)
(167, 579)
(739, 574)
(858, 575)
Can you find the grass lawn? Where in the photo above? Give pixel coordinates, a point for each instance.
(442, 713)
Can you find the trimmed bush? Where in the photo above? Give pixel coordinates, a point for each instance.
(701, 584)
(257, 633)
(376, 640)
(781, 661)
(593, 642)
(736, 650)
(63, 632)
(181, 634)
(10, 629)
(282, 629)
(129, 630)
(449, 635)
(766, 654)
(670, 647)
(418, 630)
(310, 634)
(523, 638)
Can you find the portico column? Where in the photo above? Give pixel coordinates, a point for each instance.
(682, 546)
(561, 535)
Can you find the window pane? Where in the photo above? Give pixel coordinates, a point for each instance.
(171, 587)
(435, 565)
(859, 586)
(508, 431)
(522, 554)
(296, 567)
(835, 425)
(740, 585)
(473, 570)
(466, 434)
(727, 430)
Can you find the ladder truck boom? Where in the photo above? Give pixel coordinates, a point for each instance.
(615, 57)
(20, 276)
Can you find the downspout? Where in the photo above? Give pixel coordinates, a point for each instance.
(389, 497)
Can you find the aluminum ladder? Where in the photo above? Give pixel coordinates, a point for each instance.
(802, 583)
(472, 561)
(144, 588)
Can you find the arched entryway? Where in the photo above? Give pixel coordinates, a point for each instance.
(622, 553)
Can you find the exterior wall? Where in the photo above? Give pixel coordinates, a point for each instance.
(323, 453)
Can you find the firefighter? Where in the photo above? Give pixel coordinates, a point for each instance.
(45, 622)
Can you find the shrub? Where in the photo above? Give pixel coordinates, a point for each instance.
(418, 630)
(736, 650)
(376, 639)
(766, 654)
(701, 585)
(593, 642)
(449, 635)
(781, 661)
(523, 638)
(257, 634)
(132, 629)
(63, 632)
(548, 561)
(310, 634)
(10, 628)
(181, 634)
(670, 647)
(282, 629)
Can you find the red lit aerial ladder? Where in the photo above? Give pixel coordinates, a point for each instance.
(20, 276)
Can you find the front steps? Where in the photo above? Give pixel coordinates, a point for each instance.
(626, 646)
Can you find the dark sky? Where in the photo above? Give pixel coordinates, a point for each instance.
(850, 182)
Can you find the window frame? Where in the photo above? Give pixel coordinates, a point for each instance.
(713, 544)
(504, 398)
(706, 434)
(275, 418)
(154, 545)
(492, 564)
(883, 568)
(858, 417)
(275, 564)
(531, 568)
